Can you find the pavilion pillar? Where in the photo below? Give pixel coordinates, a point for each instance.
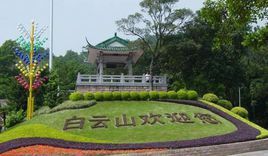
(129, 64)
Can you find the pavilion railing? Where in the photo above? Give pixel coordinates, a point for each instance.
(119, 79)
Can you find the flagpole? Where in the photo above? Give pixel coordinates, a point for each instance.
(51, 36)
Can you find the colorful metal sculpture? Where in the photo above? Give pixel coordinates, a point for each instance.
(30, 65)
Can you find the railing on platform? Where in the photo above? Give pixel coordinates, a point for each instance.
(119, 79)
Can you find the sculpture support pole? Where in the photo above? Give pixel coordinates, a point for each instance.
(30, 103)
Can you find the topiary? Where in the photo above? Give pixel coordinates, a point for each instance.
(226, 104)
(192, 95)
(107, 96)
(153, 95)
(172, 95)
(98, 96)
(134, 96)
(182, 94)
(125, 95)
(211, 97)
(76, 96)
(144, 95)
(240, 111)
(88, 96)
(117, 95)
(163, 95)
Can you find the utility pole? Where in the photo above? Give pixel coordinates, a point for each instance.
(51, 36)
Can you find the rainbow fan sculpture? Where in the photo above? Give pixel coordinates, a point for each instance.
(30, 62)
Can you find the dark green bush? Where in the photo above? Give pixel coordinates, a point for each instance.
(134, 96)
(182, 94)
(72, 105)
(98, 96)
(172, 95)
(153, 95)
(89, 96)
(107, 96)
(117, 95)
(144, 95)
(226, 104)
(192, 95)
(76, 96)
(163, 95)
(14, 118)
(211, 97)
(125, 95)
(240, 111)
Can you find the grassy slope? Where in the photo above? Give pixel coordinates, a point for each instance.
(148, 133)
(264, 132)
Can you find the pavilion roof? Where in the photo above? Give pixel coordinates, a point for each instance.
(107, 45)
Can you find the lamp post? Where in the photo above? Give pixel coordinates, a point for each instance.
(51, 36)
(30, 65)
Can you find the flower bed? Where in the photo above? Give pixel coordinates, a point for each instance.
(244, 133)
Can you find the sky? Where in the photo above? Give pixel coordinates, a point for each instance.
(74, 20)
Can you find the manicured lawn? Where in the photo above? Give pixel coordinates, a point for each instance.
(168, 131)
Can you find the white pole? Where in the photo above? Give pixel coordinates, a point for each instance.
(239, 97)
(51, 35)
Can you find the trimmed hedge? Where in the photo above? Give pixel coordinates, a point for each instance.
(98, 96)
(153, 95)
(192, 95)
(88, 96)
(134, 96)
(182, 94)
(210, 97)
(172, 95)
(107, 96)
(125, 95)
(240, 111)
(163, 95)
(144, 95)
(42, 110)
(72, 105)
(76, 96)
(226, 104)
(116, 95)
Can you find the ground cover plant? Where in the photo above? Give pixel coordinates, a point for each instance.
(238, 131)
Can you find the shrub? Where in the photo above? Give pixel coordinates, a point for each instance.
(153, 95)
(14, 118)
(42, 110)
(89, 96)
(107, 96)
(226, 104)
(240, 111)
(182, 94)
(134, 96)
(163, 95)
(125, 95)
(76, 96)
(116, 95)
(98, 96)
(192, 95)
(172, 95)
(211, 97)
(144, 95)
(72, 105)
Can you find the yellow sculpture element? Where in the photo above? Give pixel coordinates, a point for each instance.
(30, 102)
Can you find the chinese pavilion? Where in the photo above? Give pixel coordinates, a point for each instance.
(112, 53)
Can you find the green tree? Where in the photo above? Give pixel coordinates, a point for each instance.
(158, 20)
(53, 95)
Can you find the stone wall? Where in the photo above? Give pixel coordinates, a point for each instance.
(102, 88)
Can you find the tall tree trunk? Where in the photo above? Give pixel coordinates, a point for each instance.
(151, 74)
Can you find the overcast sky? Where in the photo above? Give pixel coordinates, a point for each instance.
(73, 19)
